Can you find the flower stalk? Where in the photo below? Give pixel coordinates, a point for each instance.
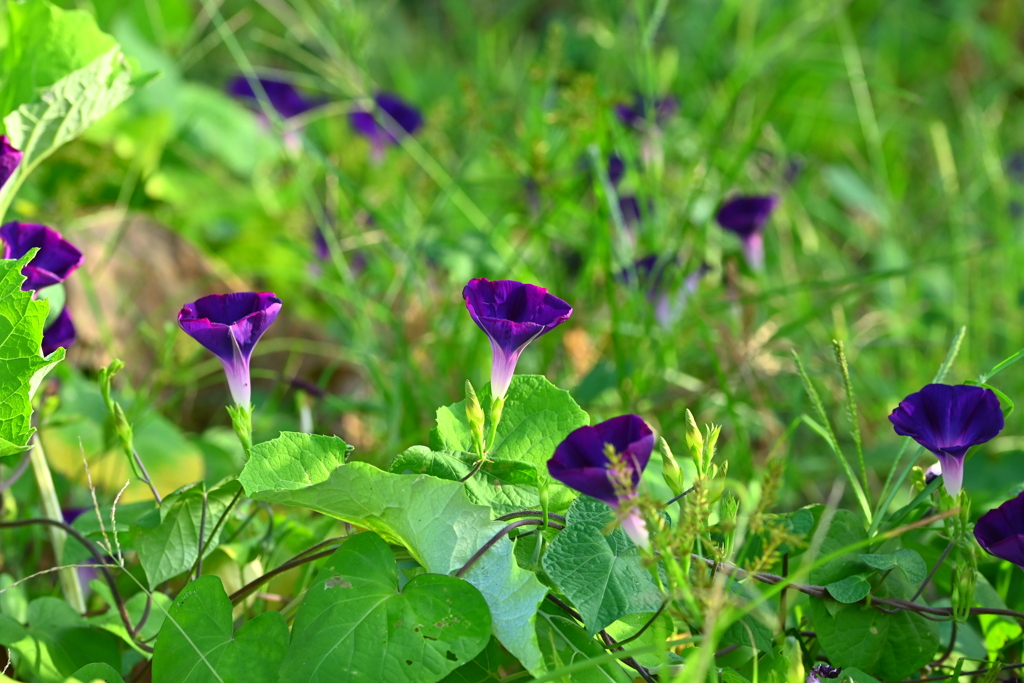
(69, 581)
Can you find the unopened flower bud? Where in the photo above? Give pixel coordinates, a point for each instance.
(695, 441)
(475, 417)
(965, 578)
(670, 470)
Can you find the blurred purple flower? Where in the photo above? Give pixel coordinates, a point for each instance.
(948, 421)
(582, 462)
(512, 314)
(400, 116)
(932, 473)
(746, 217)
(629, 207)
(282, 95)
(1015, 166)
(635, 115)
(823, 671)
(1000, 531)
(668, 300)
(54, 262)
(9, 159)
(60, 333)
(229, 325)
(71, 514)
(320, 247)
(616, 169)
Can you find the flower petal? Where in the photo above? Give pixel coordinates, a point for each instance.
(54, 262)
(746, 215)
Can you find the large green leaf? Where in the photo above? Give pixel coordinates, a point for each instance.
(564, 642)
(503, 485)
(90, 673)
(167, 539)
(431, 517)
(355, 625)
(56, 642)
(483, 668)
(22, 366)
(44, 45)
(136, 607)
(60, 75)
(601, 574)
(889, 646)
(198, 644)
(536, 418)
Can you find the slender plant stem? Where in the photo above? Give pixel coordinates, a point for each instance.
(935, 568)
(497, 537)
(69, 581)
(529, 513)
(891, 493)
(16, 475)
(97, 557)
(251, 587)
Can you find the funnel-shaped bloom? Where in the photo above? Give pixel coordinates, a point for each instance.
(398, 117)
(56, 259)
(512, 314)
(282, 95)
(60, 333)
(635, 115)
(229, 325)
(948, 421)
(9, 159)
(746, 217)
(582, 462)
(1000, 531)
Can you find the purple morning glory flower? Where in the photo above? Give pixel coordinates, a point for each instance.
(746, 217)
(56, 259)
(948, 421)
(581, 462)
(9, 159)
(229, 325)
(823, 671)
(60, 333)
(282, 95)
(1000, 531)
(635, 115)
(400, 116)
(512, 314)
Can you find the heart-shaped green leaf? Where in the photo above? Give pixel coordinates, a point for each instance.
(198, 645)
(851, 589)
(355, 625)
(909, 561)
(90, 673)
(601, 574)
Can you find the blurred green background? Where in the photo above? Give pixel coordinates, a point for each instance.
(888, 129)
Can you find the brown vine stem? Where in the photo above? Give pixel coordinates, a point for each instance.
(894, 604)
(498, 536)
(530, 513)
(609, 642)
(94, 551)
(301, 559)
(979, 672)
